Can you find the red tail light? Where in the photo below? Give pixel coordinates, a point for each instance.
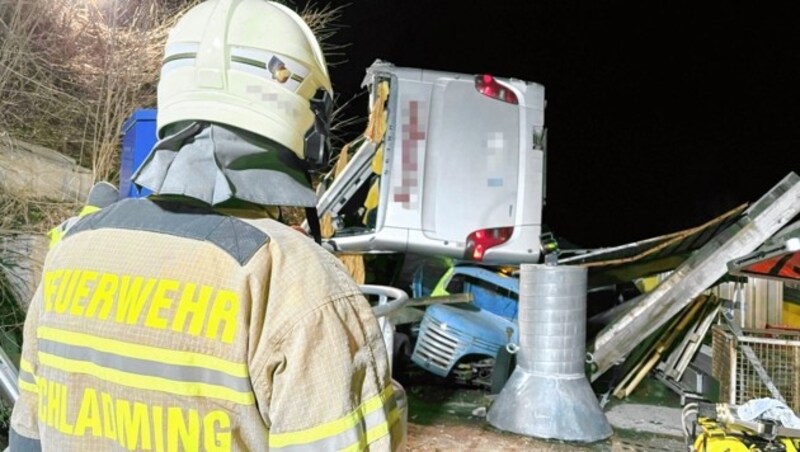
(480, 241)
(488, 86)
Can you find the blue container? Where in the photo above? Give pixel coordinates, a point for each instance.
(138, 138)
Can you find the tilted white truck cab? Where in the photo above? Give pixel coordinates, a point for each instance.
(457, 170)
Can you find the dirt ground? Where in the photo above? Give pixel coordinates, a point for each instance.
(449, 437)
(446, 418)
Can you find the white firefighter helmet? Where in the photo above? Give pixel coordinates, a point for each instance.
(251, 64)
(244, 104)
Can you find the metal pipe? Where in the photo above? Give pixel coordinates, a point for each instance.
(8, 379)
(548, 395)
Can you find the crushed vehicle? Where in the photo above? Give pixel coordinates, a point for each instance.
(456, 168)
(464, 339)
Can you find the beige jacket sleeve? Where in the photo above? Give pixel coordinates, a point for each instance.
(326, 385)
(24, 432)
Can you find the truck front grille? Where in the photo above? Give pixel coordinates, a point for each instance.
(437, 346)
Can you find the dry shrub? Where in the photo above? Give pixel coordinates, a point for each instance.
(24, 215)
(325, 21)
(34, 94)
(71, 71)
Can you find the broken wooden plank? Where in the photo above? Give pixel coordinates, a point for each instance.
(672, 334)
(447, 299)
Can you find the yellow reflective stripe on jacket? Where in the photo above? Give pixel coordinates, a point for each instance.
(27, 379)
(149, 383)
(375, 433)
(144, 367)
(87, 210)
(374, 415)
(58, 232)
(30, 387)
(25, 365)
(127, 349)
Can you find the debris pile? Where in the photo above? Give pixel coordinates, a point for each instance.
(703, 269)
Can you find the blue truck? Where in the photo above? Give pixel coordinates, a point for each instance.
(464, 339)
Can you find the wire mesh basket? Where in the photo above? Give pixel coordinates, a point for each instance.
(779, 353)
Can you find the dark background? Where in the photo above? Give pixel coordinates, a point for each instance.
(660, 116)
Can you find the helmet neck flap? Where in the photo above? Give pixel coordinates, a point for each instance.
(215, 163)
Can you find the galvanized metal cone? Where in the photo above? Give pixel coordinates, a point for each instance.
(548, 395)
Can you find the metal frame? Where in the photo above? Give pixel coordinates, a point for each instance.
(740, 376)
(390, 300)
(8, 378)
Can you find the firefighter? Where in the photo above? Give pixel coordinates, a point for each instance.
(191, 320)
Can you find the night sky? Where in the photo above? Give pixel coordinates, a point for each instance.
(659, 116)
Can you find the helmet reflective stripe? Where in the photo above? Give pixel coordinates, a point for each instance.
(178, 55)
(180, 50)
(176, 64)
(270, 66)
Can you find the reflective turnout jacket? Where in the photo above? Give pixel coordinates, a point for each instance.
(160, 326)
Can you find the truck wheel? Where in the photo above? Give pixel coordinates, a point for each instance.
(401, 356)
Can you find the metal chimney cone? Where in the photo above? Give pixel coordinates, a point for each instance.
(548, 395)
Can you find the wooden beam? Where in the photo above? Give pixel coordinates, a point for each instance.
(448, 299)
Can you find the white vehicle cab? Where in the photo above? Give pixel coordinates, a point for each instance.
(457, 170)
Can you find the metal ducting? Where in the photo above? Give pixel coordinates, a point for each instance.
(548, 395)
